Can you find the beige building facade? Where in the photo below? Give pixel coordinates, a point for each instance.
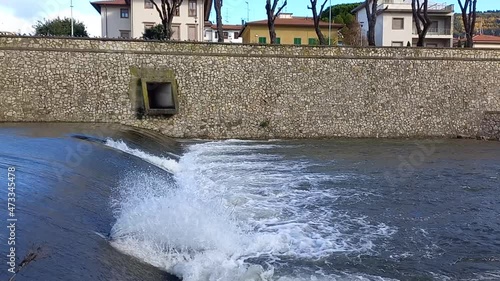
(231, 33)
(130, 18)
(486, 41)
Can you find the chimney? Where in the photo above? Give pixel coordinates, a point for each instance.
(285, 16)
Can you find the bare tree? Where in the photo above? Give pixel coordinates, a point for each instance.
(271, 17)
(316, 19)
(167, 10)
(469, 20)
(422, 20)
(371, 15)
(352, 35)
(218, 12)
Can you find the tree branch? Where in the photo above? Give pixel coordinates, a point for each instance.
(157, 9)
(414, 5)
(322, 9)
(473, 23)
(374, 8)
(281, 8)
(170, 10)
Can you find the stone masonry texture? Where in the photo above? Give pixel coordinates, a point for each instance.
(255, 91)
(490, 126)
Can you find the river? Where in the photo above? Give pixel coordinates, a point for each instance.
(106, 202)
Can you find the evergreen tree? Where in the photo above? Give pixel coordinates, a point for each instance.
(60, 27)
(154, 33)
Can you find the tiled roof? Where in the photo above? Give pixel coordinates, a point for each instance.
(293, 21)
(228, 27)
(486, 39)
(111, 2)
(361, 6)
(97, 4)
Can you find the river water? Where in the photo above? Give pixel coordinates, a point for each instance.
(114, 203)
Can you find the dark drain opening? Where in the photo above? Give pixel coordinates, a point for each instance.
(160, 95)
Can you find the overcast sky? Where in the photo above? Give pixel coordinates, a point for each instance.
(21, 15)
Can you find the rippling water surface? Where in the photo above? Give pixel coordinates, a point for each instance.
(114, 203)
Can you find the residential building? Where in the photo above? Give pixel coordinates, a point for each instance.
(129, 18)
(231, 33)
(396, 27)
(486, 41)
(289, 30)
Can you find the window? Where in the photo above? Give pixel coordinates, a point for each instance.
(262, 40)
(192, 8)
(177, 12)
(313, 41)
(236, 35)
(125, 34)
(124, 13)
(148, 25)
(226, 34)
(176, 33)
(434, 27)
(398, 23)
(216, 35)
(297, 41)
(397, 44)
(148, 4)
(278, 40)
(192, 33)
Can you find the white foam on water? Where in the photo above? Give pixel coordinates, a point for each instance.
(169, 165)
(232, 211)
(337, 277)
(488, 275)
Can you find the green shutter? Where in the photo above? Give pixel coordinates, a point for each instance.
(262, 40)
(278, 40)
(297, 41)
(313, 41)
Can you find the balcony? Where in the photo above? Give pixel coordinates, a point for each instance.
(436, 31)
(433, 7)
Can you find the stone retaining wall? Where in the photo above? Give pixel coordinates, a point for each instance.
(490, 126)
(253, 91)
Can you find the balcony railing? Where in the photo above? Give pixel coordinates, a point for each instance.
(432, 6)
(436, 31)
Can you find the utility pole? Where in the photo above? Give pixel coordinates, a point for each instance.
(248, 11)
(72, 25)
(330, 24)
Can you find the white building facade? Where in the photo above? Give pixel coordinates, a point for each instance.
(395, 25)
(130, 18)
(231, 33)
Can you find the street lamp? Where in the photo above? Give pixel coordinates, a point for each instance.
(248, 11)
(72, 28)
